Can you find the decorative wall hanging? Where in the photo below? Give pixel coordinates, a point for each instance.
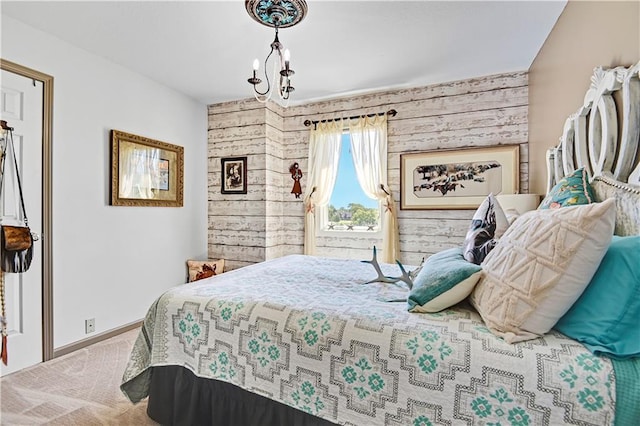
(296, 175)
(234, 175)
(457, 179)
(145, 172)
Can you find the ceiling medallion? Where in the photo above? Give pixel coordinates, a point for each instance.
(277, 13)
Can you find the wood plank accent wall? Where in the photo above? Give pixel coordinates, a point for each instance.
(246, 228)
(269, 221)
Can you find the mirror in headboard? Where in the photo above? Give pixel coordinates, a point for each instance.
(608, 150)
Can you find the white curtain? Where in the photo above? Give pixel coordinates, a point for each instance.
(369, 151)
(324, 153)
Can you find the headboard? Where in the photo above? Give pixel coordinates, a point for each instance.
(594, 139)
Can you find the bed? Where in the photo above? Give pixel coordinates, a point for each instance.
(303, 340)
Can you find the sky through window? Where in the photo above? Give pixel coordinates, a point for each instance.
(347, 189)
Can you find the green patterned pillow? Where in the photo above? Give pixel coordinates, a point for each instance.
(445, 279)
(572, 190)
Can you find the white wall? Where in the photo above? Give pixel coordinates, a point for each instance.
(110, 263)
(559, 75)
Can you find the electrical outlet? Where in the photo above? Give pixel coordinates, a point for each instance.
(90, 325)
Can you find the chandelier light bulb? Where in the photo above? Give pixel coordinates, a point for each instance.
(256, 64)
(287, 55)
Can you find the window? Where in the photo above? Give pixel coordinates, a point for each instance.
(349, 208)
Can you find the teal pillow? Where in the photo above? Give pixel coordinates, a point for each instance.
(445, 279)
(572, 190)
(606, 317)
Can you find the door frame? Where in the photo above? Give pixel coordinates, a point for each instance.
(47, 192)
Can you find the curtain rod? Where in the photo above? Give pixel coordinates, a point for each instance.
(391, 112)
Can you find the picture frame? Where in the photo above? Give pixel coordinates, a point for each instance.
(457, 179)
(233, 175)
(145, 172)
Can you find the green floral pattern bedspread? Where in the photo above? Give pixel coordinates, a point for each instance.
(307, 332)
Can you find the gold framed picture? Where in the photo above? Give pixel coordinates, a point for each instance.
(457, 179)
(145, 172)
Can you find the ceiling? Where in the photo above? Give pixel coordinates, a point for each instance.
(205, 49)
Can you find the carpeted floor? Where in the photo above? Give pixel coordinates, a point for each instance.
(80, 388)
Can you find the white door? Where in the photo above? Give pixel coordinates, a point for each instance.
(21, 106)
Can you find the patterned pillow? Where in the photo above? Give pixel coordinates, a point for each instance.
(540, 267)
(199, 269)
(444, 280)
(511, 215)
(572, 190)
(487, 225)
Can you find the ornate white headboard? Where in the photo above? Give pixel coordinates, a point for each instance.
(594, 139)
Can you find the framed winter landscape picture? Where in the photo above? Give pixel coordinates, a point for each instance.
(457, 179)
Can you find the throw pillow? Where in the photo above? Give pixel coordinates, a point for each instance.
(487, 225)
(444, 280)
(199, 269)
(606, 318)
(572, 190)
(540, 267)
(511, 215)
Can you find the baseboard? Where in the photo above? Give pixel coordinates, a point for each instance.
(63, 350)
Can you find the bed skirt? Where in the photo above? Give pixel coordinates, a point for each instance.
(178, 397)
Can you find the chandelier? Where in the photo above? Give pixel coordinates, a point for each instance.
(277, 14)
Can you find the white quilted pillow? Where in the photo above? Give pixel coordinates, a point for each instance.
(540, 267)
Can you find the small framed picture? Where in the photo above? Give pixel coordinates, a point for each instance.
(234, 175)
